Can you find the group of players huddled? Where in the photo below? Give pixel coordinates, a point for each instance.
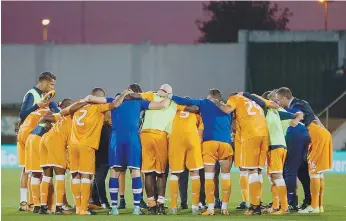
(275, 131)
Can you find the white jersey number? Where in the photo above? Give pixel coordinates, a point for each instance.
(251, 105)
(184, 114)
(79, 119)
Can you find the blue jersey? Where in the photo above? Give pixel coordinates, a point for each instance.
(126, 118)
(217, 124)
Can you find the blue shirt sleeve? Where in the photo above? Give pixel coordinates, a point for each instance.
(186, 101)
(27, 106)
(144, 104)
(54, 107)
(109, 99)
(286, 115)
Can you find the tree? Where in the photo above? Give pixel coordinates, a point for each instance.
(228, 17)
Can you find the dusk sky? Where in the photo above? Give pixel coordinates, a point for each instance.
(133, 22)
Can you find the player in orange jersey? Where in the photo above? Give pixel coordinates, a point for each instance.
(184, 150)
(85, 137)
(54, 155)
(33, 100)
(251, 123)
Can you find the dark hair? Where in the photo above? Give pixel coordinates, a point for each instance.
(284, 92)
(265, 94)
(215, 93)
(64, 103)
(47, 76)
(97, 89)
(135, 88)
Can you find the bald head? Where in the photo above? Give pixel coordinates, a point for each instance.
(167, 88)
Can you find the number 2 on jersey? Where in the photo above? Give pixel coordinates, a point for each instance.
(251, 105)
(80, 118)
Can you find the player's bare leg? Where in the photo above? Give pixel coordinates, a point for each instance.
(85, 188)
(23, 191)
(150, 182)
(35, 188)
(143, 203)
(60, 194)
(44, 189)
(161, 189)
(280, 185)
(255, 193)
(137, 188)
(225, 168)
(122, 202)
(244, 188)
(76, 190)
(209, 188)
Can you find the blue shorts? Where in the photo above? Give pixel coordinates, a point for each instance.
(125, 150)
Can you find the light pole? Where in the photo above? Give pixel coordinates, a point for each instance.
(326, 4)
(45, 23)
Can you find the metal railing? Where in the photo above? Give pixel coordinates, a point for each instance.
(326, 110)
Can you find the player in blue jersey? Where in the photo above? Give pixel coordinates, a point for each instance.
(125, 146)
(216, 144)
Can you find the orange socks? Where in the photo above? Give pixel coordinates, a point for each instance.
(275, 197)
(244, 185)
(60, 189)
(173, 190)
(226, 189)
(45, 189)
(196, 188)
(255, 189)
(315, 187)
(282, 192)
(76, 192)
(321, 190)
(85, 193)
(209, 189)
(35, 190)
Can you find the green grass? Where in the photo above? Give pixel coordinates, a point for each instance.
(335, 204)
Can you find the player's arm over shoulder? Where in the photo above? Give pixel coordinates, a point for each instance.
(189, 108)
(149, 96)
(229, 107)
(153, 105)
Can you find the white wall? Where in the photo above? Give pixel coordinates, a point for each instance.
(339, 137)
(190, 69)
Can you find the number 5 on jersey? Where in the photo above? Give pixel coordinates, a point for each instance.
(80, 118)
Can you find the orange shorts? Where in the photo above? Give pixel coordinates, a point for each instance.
(56, 148)
(254, 152)
(185, 150)
(276, 160)
(215, 151)
(237, 149)
(82, 159)
(154, 151)
(43, 150)
(321, 149)
(22, 137)
(32, 153)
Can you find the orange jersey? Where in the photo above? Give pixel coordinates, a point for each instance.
(186, 122)
(87, 124)
(250, 119)
(33, 118)
(149, 96)
(62, 127)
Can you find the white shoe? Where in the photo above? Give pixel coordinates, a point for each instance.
(309, 209)
(174, 211)
(321, 209)
(201, 206)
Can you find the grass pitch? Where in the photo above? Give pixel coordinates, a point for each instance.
(334, 204)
